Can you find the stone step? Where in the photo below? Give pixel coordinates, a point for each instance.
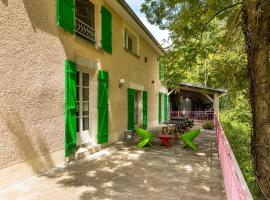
(87, 150)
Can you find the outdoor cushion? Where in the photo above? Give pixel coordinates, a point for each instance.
(146, 137)
(189, 137)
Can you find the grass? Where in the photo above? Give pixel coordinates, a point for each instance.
(238, 134)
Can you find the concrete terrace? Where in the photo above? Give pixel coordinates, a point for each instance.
(123, 172)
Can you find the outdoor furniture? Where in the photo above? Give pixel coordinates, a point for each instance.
(165, 129)
(164, 139)
(189, 137)
(146, 137)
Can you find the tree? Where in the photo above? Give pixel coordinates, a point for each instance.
(207, 31)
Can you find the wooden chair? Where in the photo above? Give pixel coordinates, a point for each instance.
(171, 129)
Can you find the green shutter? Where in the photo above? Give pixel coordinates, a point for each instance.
(159, 107)
(65, 15)
(70, 108)
(106, 38)
(144, 109)
(103, 95)
(131, 96)
(165, 107)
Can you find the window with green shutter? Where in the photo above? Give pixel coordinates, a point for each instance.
(106, 32)
(131, 97)
(165, 107)
(144, 109)
(159, 107)
(65, 15)
(103, 95)
(70, 108)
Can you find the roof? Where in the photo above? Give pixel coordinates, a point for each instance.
(129, 10)
(201, 87)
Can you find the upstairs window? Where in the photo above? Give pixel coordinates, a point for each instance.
(131, 42)
(85, 20)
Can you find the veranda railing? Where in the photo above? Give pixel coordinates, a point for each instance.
(235, 184)
(195, 115)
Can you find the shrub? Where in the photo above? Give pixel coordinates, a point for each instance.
(209, 125)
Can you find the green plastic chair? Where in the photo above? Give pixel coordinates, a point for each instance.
(189, 137)
(146, 137)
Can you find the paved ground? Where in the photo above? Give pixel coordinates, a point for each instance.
(122, 172)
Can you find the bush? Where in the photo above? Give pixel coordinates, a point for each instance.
(209, 125)
(238, 135)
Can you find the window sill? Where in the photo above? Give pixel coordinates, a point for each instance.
(130, 52)
(85, 42)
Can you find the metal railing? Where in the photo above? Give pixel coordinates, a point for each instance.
(235, 184)
(195, 115)
(84, 30)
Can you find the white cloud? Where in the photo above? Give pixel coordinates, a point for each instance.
(160, 35)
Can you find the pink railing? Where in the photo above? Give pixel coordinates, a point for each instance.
(235, 184)
(195, 115)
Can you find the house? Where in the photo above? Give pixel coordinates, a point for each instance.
(194, 101)
(75, 75)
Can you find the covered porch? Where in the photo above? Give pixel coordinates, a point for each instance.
(194, 101)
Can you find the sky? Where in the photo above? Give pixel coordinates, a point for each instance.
(158, 34)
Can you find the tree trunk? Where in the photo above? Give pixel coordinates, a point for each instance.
(256, 27)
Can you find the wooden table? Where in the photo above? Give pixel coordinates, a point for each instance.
(164, 139)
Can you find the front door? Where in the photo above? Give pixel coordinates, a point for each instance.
(83, 104)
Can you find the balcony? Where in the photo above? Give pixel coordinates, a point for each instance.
(85, 20)
(84, 31)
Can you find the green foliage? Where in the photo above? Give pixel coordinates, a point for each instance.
(208, 47)
(209, 125)
(238, 133)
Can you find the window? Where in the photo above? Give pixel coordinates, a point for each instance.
(131, 42)
(82, 114)
(85, 20)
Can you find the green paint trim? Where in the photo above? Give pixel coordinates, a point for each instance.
(70, 108)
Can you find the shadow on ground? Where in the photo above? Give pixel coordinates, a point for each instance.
(122, 171)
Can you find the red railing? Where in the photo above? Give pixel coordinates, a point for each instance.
(235, 184)
(195, 115)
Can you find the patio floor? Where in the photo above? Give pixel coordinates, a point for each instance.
(123, 172)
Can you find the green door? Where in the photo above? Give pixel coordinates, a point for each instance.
(103, 96)
(144, 109)
(70, 108)
(159, 107)
(165, 107)
(131, 96)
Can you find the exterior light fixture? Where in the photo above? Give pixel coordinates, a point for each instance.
(121, 82)
(145, 59)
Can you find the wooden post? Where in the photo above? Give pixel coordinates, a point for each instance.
(216, 104)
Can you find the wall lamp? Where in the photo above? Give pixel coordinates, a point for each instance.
(121, 82)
